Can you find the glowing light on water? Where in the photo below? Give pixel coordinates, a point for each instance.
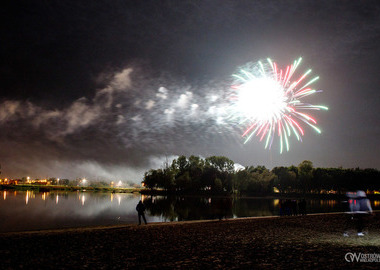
(267, 100)
(27, 197)
(276, 202)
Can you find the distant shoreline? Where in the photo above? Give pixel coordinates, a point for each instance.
(48, 188)
(148, 192)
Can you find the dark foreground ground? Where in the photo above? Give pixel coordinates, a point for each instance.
(313, 241)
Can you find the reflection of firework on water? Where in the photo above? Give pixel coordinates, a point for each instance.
(268, 101)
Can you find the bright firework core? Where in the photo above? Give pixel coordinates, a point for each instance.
(262, 99)
(268, 101)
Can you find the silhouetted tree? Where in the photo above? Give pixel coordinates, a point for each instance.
(305, 175)
(286, 179)
(217, 174)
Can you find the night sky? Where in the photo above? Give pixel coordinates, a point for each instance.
(109, 89)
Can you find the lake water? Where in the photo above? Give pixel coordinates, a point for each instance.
(28, 210)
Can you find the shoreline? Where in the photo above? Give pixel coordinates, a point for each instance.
(158, 223)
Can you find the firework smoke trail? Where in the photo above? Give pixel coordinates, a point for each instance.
(268, 100)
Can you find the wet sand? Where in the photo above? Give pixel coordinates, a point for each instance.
(313, 241)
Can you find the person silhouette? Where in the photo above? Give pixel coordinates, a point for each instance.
(364, 208)
(359, 207)
(140, 208)
(302, 207)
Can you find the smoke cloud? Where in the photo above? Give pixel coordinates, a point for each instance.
(127, 127)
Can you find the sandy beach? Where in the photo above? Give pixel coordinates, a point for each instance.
(313, 241)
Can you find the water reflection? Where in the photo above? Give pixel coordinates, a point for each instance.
(30, 210)
(196, 208)
(82, 198)
(276, 202)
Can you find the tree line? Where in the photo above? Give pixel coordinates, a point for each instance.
(217, 174)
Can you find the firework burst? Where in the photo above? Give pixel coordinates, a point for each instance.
(269, 102)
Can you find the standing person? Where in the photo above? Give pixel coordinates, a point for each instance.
(294, 207)
(364, 208)
(359, 208)
(140, 208)
(302, 207)
(281, 206)
(287, 205)
(349, 215)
